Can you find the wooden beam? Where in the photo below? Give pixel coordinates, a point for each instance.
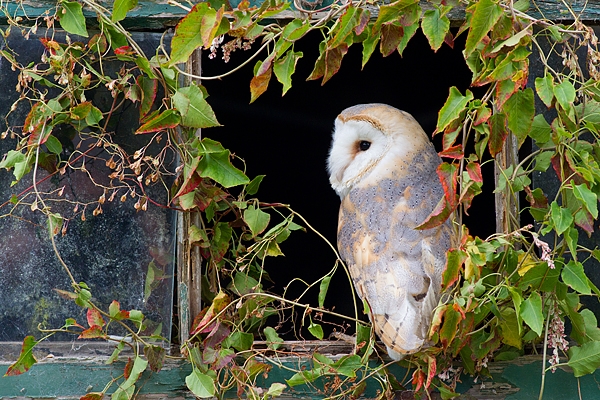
(160, 15)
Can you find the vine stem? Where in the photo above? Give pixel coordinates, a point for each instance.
(208, 78)
(544, 357)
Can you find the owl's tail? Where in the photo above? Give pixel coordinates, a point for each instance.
(404, 330)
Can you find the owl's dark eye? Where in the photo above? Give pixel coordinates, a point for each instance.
(364, 145)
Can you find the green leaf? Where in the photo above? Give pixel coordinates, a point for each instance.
(197, 28)
(347, 365)
(544, 86)
(257, 220)
(121, 8)
(154, 276)
(565, 94)
(316, 330)
(584, 359)
(451, 110)
(561, 217)
(574, 276)
(215, 164)
(485, 16)
(273, 338)
(408, 10)
(252, 187)
(540, 130)
(240, 341)
(435, 27)
(587, 197)
(55, 223)
(285, 67)
(71, 18)
(13, 157)
(276, 389)
(139, 366)
(25, 360)
(165, 120)
(202, 385)
(369, 46)
(54, 145)
(531, 313)
(520, 110)
(543, 160)
(512, 41)
(409, 32)
(323, 290)
(344, 27)
(510, 326)
(195, 111)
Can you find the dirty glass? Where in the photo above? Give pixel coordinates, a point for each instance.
(122, 254)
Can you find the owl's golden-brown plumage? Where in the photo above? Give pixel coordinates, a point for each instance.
(383, 167)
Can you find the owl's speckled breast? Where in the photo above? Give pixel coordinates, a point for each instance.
(391, 208)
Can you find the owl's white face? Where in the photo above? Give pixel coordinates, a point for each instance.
(357, 147)
(371, 137)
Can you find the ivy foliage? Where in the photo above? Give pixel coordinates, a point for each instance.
(506, 295)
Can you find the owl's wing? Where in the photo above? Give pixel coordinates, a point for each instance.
(401, 292)
(396, 268)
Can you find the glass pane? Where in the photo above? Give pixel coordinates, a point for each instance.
(121, 252)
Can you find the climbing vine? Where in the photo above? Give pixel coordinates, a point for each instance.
(506, 295)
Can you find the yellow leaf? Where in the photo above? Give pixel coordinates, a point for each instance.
(526, 262)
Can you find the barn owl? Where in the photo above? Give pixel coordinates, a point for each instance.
(383, 167)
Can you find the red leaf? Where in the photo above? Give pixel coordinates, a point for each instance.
(431, 370)
(391, 36)
(504, 90)
(454, 261)
(417, 379)
(191, 180)
(449, 39)
(454, 152)
(328, 63)
(50, 45)
(438, 216)
(436, 321)
(92, 396)
(94, 332)
(363, 20)
(333, 61)
(165, 120)
(94, 318)
(260, 83)
(123, 50)
(483, 114)
(474, 171)
(449, 137)
(217, 335)
(25, 360)
(448, 178)
(128, 368)
(148, 87)
(498, 133)
(66, 294)
(208, 318)
(449, 328)
(156, 357)
(585, 221)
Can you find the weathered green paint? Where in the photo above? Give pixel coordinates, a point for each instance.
(516, 380)
(75, 378)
